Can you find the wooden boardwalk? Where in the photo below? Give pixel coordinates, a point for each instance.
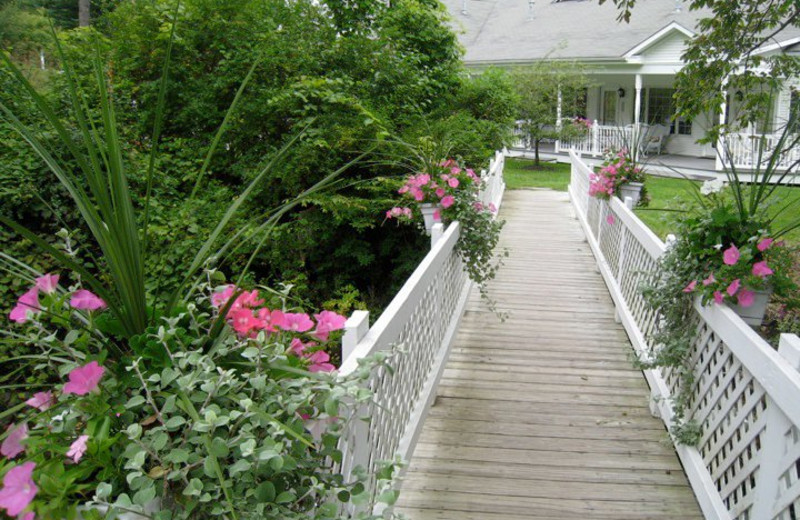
(543, 417)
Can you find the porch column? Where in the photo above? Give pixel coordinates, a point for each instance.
(722, 109)
(637, 108)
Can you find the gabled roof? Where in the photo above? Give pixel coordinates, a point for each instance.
(672, 28)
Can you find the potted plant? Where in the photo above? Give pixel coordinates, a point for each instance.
(619, 175)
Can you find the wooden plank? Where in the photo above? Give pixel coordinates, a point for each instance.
(543, 416)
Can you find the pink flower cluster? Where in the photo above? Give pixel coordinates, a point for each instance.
(424, 187)
(248, 317)
(19, 489)
(398, 212)
(735, 287)
(28, 304)
(614, 172)
(582, 122)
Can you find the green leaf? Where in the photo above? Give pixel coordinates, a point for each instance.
(219, 448)
(177, 456)
(144, 496)
(173, 423)
(136, 400)
(194, 488)
(265, 492)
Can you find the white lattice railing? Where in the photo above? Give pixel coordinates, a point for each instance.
(599, 139)
(744, 395)
(750, 151)
(422, 320)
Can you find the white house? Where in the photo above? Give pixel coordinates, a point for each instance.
(633, 65)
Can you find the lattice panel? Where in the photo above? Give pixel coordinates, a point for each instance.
(610, 234)
(638, 267)
(593, 209)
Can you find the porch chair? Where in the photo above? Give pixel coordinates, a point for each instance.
(654, 139)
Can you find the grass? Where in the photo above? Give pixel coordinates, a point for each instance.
(668, 195)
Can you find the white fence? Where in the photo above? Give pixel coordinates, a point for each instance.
(422, 320)
(745, 394)
(599, 139)
(751, 151)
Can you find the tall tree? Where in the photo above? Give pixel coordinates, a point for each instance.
(84, 18)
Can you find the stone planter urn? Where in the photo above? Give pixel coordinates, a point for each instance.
(632, 190)
(753, 315)
(428, 210)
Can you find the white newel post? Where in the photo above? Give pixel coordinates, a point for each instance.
(638, 100)
(437, 231)
(778, 431)
(355, 328)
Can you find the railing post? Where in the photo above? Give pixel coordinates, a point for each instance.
(778, 430)
(355, 328)
(595, 139)
(437, 232)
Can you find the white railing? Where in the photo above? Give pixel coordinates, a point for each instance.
(744, 395)
(421, 321)
(599, 139)
(751, 151)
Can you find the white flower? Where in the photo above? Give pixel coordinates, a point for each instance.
(712, 186)
(718, 247)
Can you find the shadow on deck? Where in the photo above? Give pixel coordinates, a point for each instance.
(543, 416)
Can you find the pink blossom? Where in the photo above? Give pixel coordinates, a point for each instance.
(733, 287)
(27, 303)
(437, 215)
(440, 192)
(610, 220)
(30, 515)
(492, 207)
(452, 182)
(18, 489)
(41, 400)
(418, 194)
(78, 448)
(47, 283)
(271, 320)
(730, 256)
(297, 322)
(12, 445)
(448, 201)
(689, 288)
(328, 321)
(85, 379)
(762, 269)
(220, 298)
(86, 300)
(249, 299)
(455, 170)
(477, 205)
(423, 179)
(319, 362)
(449, 163)
(708, 281)
(718, 298)
(746, 298)
(243, 321)
(298, 347)
(407, 212)
(765, 244)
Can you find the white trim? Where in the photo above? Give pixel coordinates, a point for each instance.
(671, 27)
(777, 46)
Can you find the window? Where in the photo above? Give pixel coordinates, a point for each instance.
(661, 109)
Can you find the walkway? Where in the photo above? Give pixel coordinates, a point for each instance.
(543, 417)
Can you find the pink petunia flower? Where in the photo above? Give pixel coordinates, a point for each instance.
(730, 256)
(745, 298)
(86, 300)
(27, 305)
(220, 298)
(733, 287)
(298, 347)
(319, 362)
(448, 201)
(452, 182)
(243, 321)
(297, 322)
(78, 448)
(47, 283)
(85, 379)
(12, 444)
(689, 288)
(328, 321)
(41, 400)
(765, 244)
(249, 299)
(718, 298)
(271, 320)
(762, 269)
(492, 207)
(477, 205)
(708, 281)
(30, 515)
(18, 489)
(437, 215)
(440, 192)
(610, 220)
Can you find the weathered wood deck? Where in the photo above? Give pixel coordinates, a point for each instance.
(543, 416)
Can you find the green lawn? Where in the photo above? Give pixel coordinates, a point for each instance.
(667, 195)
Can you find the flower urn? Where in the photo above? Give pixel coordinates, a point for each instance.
(429, 213)
(632, 190)
(753, 314)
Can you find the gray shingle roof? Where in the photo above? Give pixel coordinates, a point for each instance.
(499, 31)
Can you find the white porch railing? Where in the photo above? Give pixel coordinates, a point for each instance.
(745, 394)
(599, 139)
(742, 150)
(422, 320)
